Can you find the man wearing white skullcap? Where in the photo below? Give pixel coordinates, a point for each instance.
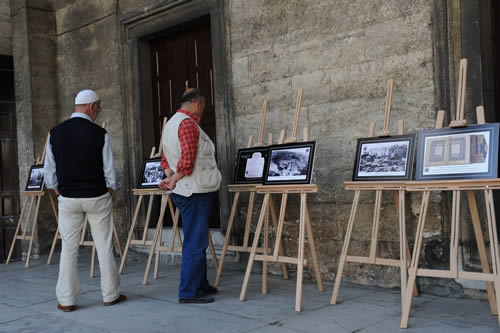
(79, 167)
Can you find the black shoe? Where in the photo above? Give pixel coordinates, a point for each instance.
(210, 291)
(197, 300)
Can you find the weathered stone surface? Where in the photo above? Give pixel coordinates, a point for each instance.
(342, 53)
(5, 28)
(89, 59)
(76, 14)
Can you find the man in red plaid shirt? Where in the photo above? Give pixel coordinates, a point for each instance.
(193, 177)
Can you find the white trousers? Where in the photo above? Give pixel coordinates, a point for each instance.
(71, 217)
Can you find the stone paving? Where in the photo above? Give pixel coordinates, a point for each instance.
(28, 304)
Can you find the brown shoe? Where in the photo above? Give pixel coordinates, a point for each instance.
(66, 308)
(120, 298)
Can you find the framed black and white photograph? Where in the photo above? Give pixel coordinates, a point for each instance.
(458, 153)
(35, 178)
(384, 158)
(290, 163)
(152, 173)
(250, 165)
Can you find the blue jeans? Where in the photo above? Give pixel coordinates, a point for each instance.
(195, 211)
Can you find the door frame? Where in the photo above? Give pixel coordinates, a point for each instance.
(136, 29)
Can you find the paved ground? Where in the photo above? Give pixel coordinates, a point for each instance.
(28, 304)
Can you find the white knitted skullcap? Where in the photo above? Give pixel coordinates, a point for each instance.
(86, 97)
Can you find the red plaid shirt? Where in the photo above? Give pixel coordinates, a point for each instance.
(189, 134)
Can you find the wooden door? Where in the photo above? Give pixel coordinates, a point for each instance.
(9, 187)
(183, 59)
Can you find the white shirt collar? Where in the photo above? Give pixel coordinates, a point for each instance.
(81, 115)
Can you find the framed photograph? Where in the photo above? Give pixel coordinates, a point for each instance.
(290, 163)
(250, 165)
(152, 173)
(384, 158)
(458, 153)
(35, 178)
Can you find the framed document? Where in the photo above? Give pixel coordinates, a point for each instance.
(384, 158)
(458, 153)
(35, 178)
(290, 163)
(152, 173)
(250, 165)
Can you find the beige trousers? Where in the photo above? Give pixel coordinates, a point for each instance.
(71, 217)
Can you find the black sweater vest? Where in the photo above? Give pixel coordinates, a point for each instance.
(77, 145)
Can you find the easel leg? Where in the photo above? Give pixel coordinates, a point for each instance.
(212, 250)
(266, 247)
(157, 252)
(400, 196)
(455, 227)
(412, 271)
(481, 249)
(376, 222)
(312, 247)
(300, 264)
(254, 246)
(274, 218)
(249, 220)
(131, 233)
(156, 236)
(92, 262)
(148, 219)
(492, 230)
(33, 231)
(227, 237)
(117, 241)
(345, 248)
(56, 236)
(18, 227)
(32, 200)
(406, 247)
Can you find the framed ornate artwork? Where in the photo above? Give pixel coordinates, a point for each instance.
(458, 153)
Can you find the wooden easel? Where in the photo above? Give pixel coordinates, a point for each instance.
(305, 226)
(141, 193)
(487, 186)
(33, 196)
(83, 242)
(397, 187)
(250, 188)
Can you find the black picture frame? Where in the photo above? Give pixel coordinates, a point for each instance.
(290, 163)
(384, 158)
(458, 153)
(151, 173)
(253, 172)
(35, 178)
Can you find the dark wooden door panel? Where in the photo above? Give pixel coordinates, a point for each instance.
(9, 186)
(180, 60)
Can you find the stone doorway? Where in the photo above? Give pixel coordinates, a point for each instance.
(181, 57)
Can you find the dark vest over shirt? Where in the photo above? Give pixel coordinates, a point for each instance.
(77, 145)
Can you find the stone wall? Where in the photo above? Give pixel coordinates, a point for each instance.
(342, 53)
(88, 58)
(5, 28)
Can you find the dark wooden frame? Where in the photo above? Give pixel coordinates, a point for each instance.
(239, 166)
(141, 175)
(409, 161)
(40, 188)
(310, 165)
